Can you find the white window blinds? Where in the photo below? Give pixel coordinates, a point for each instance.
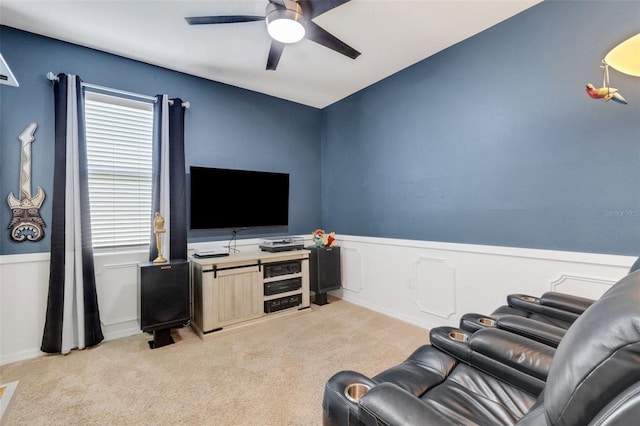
(119, 153)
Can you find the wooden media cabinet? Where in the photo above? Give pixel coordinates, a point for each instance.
(236, 289)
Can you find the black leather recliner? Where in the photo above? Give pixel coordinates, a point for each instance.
(554, 308)
(556, 311)
(494, 377)
(544, 318)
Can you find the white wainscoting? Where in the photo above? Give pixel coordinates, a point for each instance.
(24, 287)
(24, 284)
(432, 284)
(425, 283)
(117, 287)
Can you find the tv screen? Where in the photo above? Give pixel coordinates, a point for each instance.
(226, 198)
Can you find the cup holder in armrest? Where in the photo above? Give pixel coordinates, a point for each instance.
(454, 341)
(489, 322)
(458, 336)
(526, 303)
(354, 391)
(473, 322)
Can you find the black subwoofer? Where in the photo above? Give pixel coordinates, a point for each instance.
(164, 298)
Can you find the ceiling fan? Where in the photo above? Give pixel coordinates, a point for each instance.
(288, 21)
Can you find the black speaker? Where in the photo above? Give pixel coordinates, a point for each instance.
(164, 297)
(324, 272)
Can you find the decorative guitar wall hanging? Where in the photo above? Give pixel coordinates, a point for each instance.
(26, 223)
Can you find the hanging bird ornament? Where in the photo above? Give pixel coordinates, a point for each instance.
(606, 92)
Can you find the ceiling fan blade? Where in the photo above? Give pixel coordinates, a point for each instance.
(275, 51)
(229, 19)
(315, 33)
(313, 8)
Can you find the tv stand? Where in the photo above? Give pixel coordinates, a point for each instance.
(242, 288)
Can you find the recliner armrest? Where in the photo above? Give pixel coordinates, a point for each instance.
(566, 302)
(443, 339)
(534, 304)
(337, 408)
(548, 334)
(473, 322)
(510, 357)
(511, 350)
(532, 329)
(523, 362)
(528, 356)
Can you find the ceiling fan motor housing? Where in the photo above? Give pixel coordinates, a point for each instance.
(285, 21)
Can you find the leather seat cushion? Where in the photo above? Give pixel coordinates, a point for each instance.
(469, 396)
(424, 369)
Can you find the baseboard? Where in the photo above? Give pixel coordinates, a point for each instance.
(427, 325)
(119, 333)
(21, 356)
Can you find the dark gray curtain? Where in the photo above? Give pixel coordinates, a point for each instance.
(169, 179)
(72, 318)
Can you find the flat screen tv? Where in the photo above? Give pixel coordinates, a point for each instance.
(226, 198)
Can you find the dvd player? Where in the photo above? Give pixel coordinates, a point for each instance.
(205, 256)
(281, 244)
(210, 252)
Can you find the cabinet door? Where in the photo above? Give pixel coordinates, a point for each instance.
(237, 296)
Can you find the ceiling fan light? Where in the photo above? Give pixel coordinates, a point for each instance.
(284, 24)
(286, 30)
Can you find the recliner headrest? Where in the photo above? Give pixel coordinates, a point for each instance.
(598, 358)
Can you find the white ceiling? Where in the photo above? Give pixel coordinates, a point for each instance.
(390, 34)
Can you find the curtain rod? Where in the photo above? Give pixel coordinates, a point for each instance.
(51, 76)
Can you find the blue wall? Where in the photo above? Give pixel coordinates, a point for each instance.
(225, 127)
(494, 141)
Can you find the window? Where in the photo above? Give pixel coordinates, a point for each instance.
(119, 153)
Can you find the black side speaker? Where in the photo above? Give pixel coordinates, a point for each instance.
(324, 272)
(164, 297)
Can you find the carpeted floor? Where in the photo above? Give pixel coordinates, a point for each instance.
(270, 373)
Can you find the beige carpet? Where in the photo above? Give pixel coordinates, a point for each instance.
(271, 373)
